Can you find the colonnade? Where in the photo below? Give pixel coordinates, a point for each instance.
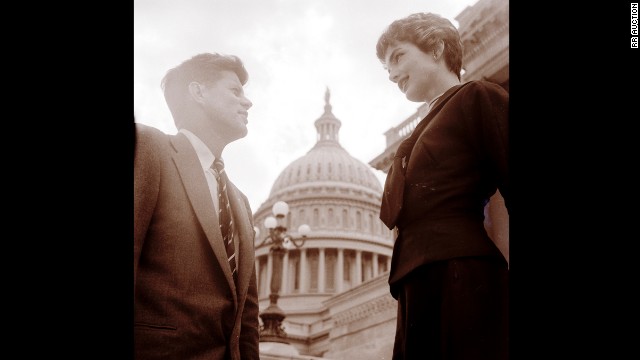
(321, 270)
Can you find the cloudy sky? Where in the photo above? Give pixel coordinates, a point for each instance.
(293, 50)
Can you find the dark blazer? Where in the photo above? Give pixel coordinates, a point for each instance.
(186, 303)
(443, 175)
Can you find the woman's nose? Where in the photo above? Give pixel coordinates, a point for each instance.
(393, 75)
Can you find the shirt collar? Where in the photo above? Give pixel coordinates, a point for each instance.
(205, 155)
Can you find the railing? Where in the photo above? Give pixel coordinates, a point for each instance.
(401, 131)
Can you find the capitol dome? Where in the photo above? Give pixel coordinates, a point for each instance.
(327, 162)
(338, 197)
(326, 174)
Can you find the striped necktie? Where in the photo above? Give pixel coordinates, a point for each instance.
(224, 214)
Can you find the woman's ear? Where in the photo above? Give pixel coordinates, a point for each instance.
(438, 50)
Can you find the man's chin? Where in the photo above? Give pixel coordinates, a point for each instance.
(242, 132)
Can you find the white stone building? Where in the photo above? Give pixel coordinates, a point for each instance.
(326, 281)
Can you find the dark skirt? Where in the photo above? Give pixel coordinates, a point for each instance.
(454, 309)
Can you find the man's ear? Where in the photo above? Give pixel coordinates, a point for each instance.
(195, 90)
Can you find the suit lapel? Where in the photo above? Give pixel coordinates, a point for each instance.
(245, 233)
(197, 190)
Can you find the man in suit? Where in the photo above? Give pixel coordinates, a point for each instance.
(194, 298)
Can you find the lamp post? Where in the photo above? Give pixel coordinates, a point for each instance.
(280, 242)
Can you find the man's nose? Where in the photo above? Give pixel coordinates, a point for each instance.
(247, 102)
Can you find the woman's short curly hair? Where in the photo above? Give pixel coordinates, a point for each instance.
(424, 30)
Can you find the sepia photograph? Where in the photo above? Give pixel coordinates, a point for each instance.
(321, 179)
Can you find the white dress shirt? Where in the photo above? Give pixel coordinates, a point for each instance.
(206, 158)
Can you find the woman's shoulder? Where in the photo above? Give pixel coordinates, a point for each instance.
(482, 85)
(482, 91)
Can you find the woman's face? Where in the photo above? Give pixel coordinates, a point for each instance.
(412, 69)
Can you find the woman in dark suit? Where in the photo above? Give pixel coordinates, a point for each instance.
(193, 298)
(450, 279)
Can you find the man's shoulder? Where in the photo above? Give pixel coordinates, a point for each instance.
(148, 131)
(149, 139)
(149, 134)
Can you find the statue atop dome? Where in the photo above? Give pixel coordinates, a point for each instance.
(327, 104)
(327, 125)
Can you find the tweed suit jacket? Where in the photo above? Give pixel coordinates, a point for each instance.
(186, 305)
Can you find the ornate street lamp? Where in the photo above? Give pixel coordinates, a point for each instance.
(280, 242)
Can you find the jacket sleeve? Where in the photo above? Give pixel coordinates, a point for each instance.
(491, 104)
(249, 335)
(249, 331)
(146, 185)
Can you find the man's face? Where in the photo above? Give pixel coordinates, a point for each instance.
(226, 107)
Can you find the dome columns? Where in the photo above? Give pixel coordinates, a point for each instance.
(313, 273)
